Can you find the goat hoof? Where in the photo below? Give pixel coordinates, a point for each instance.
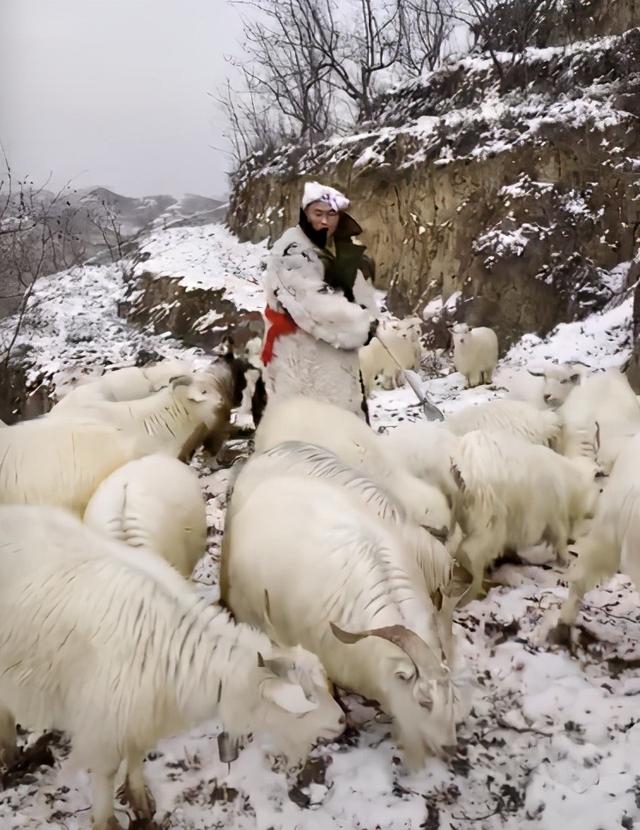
(142, 803)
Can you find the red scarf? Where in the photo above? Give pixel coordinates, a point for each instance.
(281, 323)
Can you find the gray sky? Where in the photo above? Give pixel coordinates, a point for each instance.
(115, 92)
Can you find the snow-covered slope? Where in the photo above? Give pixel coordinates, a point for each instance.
(207, 257)
(553, 737)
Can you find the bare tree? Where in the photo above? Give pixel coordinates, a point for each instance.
(283, 67)
(37, 236)
(254, 124)
(427, 28)
(509, 26)
(359, 47)
(307, 62)
(106, 220)
(43, 232)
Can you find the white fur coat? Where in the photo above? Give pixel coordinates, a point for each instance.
(319, 360)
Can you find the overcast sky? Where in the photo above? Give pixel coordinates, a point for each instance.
(116, 92)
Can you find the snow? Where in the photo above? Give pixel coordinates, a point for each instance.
(420, 122)
(552, 738)
(208, 257)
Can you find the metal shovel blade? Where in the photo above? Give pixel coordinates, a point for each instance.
(430, 410)
(227, 748)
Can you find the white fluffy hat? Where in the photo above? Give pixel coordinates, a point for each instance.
(316, 192)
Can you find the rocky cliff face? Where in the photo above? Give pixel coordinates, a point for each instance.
(511, 197)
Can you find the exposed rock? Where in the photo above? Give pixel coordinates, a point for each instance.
(515, 193)
(197, 316)
(633, 365)
(20, 399)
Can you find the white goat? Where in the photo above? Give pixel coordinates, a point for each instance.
(613, 539)
(350, 586)
(125, 384)
(180, 415)
(604, 407)
(358, 446)
(515, 417)
(515, 494)
(559, 381)
(425, 449)
(155, 503)
(114, 647)
(402, 338)
(297, 458)
(59, 462)
(475, 353)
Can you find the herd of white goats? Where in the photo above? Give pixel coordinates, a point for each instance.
(337, 558)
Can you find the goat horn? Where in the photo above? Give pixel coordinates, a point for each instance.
(436, 599)
(180, 380)
(439, 533)
(457, 477)
(408, 641)
(260, 661)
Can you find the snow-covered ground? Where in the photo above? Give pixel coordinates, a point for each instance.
(552, 738)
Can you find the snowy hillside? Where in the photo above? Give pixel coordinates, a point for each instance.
(552, 738)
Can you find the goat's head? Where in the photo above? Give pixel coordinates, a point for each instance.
(429, 508)
(559, 381)
(296, 706)
(459, 334)
(419, 692)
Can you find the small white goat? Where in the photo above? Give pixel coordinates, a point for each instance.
(359, 447)
(125, 384)
(155, 503)
(515, 417)
(514, 495)
(60, 462)
(356, 603)
(475, 353)
(402, 338)
(297, 458)
(114, 647)
(613, 539)
(559, 381)
(180, 415)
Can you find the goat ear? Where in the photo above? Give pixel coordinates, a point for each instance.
(287, 696)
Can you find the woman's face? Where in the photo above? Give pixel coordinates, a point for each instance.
(322, 217)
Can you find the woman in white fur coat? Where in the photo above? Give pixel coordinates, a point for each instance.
(320, 305)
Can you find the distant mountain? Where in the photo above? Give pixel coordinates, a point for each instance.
(137, 214)
(83, 224)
